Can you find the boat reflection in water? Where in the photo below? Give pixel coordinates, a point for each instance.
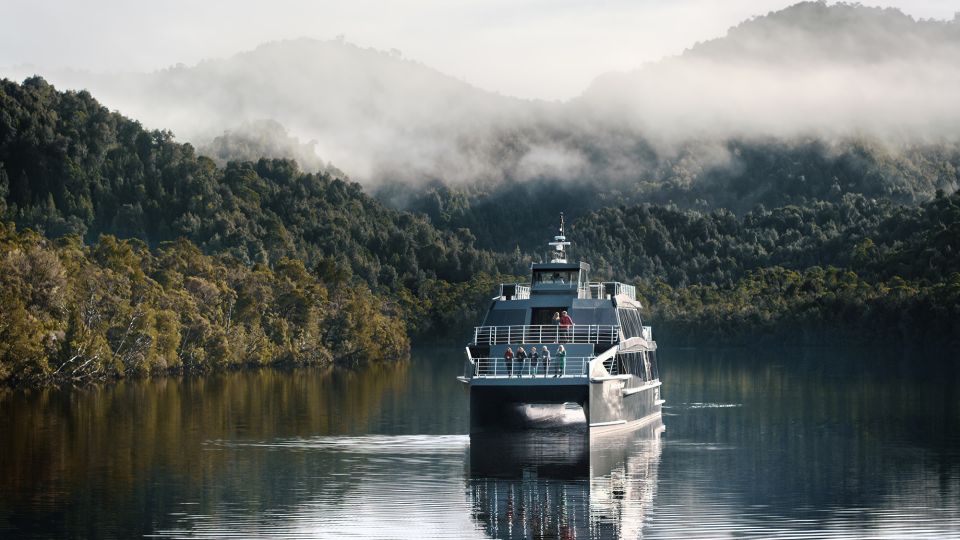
(558, 480)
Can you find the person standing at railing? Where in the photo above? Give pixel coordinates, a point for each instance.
(534, 361)
(546, 360)
(561, 362)
(508, 360)
(566, 322)
(556, 326)
(521, 359)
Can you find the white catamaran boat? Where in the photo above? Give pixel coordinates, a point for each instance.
(607, 363)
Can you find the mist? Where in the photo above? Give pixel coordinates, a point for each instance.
(811, 70)
(829, 72)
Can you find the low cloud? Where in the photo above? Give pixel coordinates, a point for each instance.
(812, 70)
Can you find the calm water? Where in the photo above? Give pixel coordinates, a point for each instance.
(756, 444)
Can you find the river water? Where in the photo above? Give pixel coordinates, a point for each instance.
(808, 444)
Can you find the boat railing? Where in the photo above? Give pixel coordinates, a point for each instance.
(513, 291)
(603, 289)
(546, 333)
(593, 289)
(573, 366)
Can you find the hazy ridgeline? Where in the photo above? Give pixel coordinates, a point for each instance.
(817, 77)
(794, 180)
(807, 103)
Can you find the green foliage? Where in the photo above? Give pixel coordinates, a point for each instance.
(736, 176)
(878, 239)
(151, 258)
(814, 307)
(116, 308)
(72, 167)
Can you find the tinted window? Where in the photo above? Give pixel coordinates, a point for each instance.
(555, 276)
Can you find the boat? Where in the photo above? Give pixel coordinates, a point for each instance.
(610, 367)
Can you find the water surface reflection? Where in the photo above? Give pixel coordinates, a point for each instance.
(759, 444)
(563, 481)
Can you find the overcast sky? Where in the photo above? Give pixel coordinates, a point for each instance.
(549, 49)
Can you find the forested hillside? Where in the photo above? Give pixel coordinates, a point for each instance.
(69, 166)
(879, 239)
(127, 252)
(859, 270)
(162, 261)
(769, 173)
(75, 313)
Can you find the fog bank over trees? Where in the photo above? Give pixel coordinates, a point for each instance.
(812, 71)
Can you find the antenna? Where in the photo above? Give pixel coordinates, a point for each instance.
(559, 245)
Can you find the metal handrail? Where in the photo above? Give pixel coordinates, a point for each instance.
(596, 289)
(593, 289)
(491, 367)
(521, 291)
(546, 333)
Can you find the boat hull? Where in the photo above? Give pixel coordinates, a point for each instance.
(617, 402)
(605, 403)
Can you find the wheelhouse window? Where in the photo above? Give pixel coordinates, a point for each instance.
(557, 277)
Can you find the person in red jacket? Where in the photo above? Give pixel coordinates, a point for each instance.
(567, 324)
(508, 360)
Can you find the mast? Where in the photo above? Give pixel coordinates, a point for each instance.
(559, 245)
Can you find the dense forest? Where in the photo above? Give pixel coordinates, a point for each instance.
(125, 252)
(859, 269)
(772, 173)
(247, 264)
(70, 166)
(76, 312)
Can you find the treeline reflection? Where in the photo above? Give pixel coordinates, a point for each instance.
(811, 437)
(115, 460)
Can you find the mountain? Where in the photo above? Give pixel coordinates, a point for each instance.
(810, 78)
(255, 262)
(68, 166)
(808, 103)
(370, 112)
(842, 70)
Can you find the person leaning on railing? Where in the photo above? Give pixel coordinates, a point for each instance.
(508, 360)
(546, 360)
(566, 322)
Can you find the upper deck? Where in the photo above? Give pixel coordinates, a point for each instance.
(595, 290)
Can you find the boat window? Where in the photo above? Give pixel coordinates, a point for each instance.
(562, 277)
(588, 315)
(505, 317)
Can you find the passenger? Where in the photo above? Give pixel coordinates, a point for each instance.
(556, 326)
(508, 360)
(546, 360)
(567, 324)
(561, 362)
(522, 359)
(534, 361)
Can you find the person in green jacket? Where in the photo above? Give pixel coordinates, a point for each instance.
(561, 361)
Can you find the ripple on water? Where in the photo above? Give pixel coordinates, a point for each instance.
(362, 444)
(395, 486)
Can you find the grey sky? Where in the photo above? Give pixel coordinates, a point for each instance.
(547, 49)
